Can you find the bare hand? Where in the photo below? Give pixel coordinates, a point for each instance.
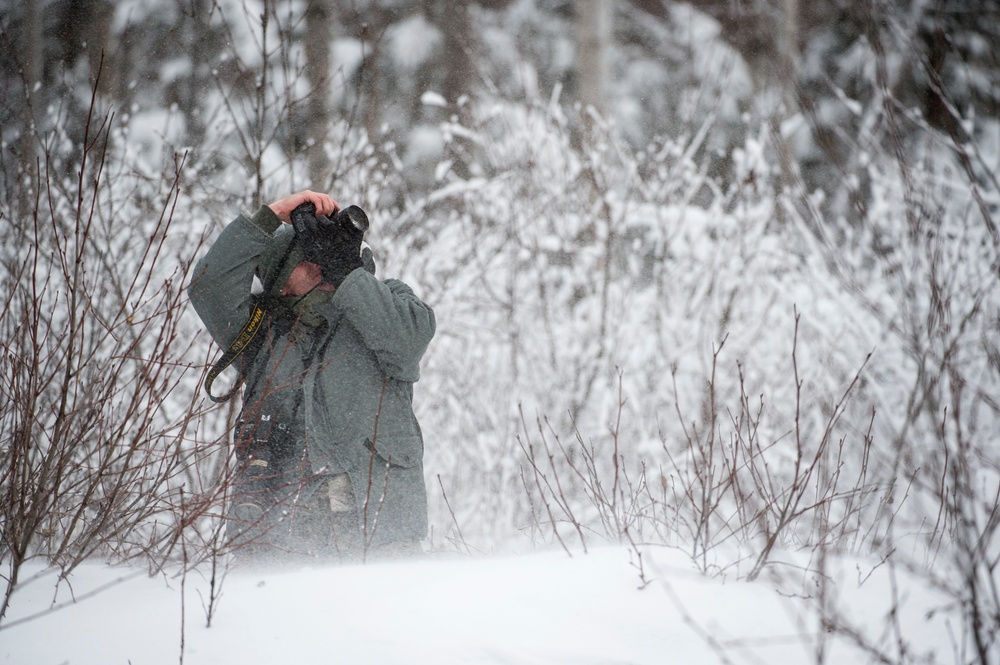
(283, 207)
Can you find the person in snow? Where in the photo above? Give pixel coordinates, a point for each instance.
(329, 452)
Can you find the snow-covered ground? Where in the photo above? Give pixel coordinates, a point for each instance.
(543, 608)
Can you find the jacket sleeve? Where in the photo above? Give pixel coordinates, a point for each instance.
(393, 323)
(222, 283)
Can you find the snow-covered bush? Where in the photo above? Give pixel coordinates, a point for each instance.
(97, 416)
(632, 350)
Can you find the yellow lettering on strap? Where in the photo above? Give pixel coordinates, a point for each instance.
(243, 340)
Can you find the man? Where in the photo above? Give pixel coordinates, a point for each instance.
(329, 451)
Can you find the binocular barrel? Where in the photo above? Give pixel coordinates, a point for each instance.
(352, 216)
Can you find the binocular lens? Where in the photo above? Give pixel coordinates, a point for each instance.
(356, 216)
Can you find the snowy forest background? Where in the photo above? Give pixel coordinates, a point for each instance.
(719, 276)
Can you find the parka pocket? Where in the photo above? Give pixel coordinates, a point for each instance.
(402, 451)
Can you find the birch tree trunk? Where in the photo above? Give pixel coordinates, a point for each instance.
(786, 85)
(196, 26)
(316, 44)
(594, 25)
(458, 35)
(31, 54)
(789, 52)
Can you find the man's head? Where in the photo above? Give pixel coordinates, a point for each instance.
(305, 277)
(284, 270)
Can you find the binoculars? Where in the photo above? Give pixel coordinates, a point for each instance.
(351, 220)
(351, 217)
(332, 243)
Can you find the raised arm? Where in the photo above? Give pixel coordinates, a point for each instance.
(250, 245)
(395, 324)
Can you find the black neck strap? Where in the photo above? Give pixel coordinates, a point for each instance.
(242, 342)
(249, 334)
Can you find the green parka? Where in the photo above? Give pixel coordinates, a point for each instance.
(342, 370)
